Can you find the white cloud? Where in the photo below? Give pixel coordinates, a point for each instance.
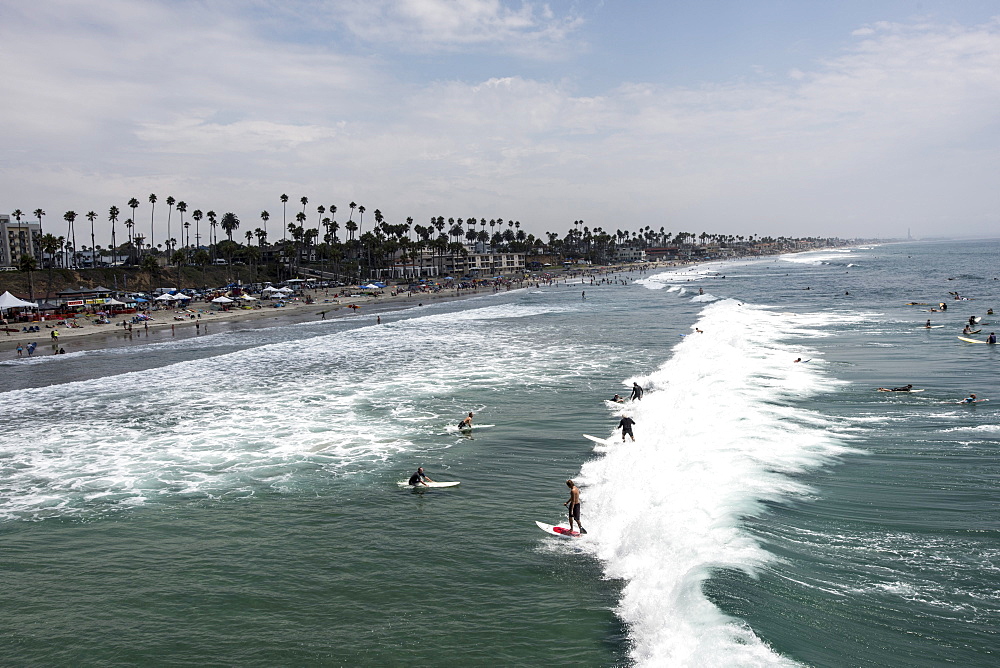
(121, 99)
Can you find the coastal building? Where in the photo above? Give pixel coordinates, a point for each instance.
(485, 264)
(624, 254)
(18, 239)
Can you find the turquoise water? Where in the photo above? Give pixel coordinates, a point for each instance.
(232, 498)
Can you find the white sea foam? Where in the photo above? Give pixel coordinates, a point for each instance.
(255, 420)
(817, 257)
(719, 432)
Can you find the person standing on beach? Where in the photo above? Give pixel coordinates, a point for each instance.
(625, 424)
(20, 350)
(636, 392)
(573, 506)
(31, 348)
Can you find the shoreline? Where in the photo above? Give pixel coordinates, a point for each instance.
(163, 327)
(92, 336)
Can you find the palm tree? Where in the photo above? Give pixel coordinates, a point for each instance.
(197, 215)
(133, 204)
(152, 211)
(50, 246)
(182, 208)
(69, 217)
(170, 210)
(284, 223)
(113, 217)
(304, 200)
(353, 207)
(131, 245)
(38, 214)
(28, 263)
(93, 248)
(230, 223)
(265, 216)
(187, 231)
(212, 223)
(361, 219)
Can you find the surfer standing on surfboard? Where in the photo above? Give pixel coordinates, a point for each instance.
(419, 478)
(573, 505)
(625, 424)
(636, 392)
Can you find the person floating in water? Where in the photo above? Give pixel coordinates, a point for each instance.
(419, 478)
(971, 399)
(573, 506)
(972, 321)
(466, 424)
(904, 388)
(618, 399)
(966, 330)
(625, 424)
(991, 339)
(636, 392)
(928, 325)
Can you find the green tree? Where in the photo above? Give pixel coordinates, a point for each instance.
(113, 217)
(230, 223)
(28, 263)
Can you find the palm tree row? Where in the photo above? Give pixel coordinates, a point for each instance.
(363, 252)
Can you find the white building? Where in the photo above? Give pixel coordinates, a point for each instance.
(630, 254)
(18, 239)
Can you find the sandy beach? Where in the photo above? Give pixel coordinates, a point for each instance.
(168, 322)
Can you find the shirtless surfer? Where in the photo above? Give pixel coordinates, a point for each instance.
(573, 506)
(466, 424)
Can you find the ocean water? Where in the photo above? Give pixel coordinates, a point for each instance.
(231, 498)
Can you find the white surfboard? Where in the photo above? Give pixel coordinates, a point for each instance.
(602, 441)
(884, 389)
(429, 485)
(561, 531)
(973, 403)
(931, 327)
(968, 340)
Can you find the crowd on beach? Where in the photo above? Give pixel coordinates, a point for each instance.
(258, 302)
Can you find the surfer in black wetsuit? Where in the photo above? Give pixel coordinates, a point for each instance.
(573, 505)
(905, 388)
(625, 424)
(992, 338)
(636, 392)
(972, 321)
(419, 478)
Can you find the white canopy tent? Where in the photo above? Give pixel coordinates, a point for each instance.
(114, 302)
(247, 298)
(222, 300)
(9, 301)
(164, 298)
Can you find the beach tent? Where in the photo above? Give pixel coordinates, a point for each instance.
(370, 286)
(222, 300)
(164, 298)
(247, 298)
(9, 301)
(181, 295)
(113, 302)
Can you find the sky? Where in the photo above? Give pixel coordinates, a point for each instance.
(855, 118)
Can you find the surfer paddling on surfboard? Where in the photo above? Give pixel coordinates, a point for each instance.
(419, 478)
(904, 388)
(466, 424)
(573, 506)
